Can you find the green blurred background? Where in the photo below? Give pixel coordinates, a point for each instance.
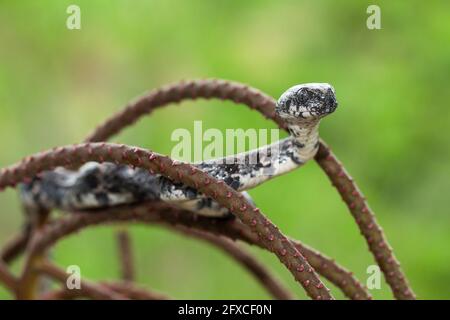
(391, 129)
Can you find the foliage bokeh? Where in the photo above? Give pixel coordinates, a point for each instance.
(56, 85)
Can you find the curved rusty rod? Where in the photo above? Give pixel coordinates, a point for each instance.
(87, 288)
(269, 235)
(15, 246)
(102, 291)
(125, 254)
(7, 278)
(255, 99)
(167, 215)
(258, 270)
(126, 289)
(248, 261)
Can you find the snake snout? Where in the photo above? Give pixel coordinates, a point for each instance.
(304, 101)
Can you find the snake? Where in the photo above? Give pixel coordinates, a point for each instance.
(96, 186)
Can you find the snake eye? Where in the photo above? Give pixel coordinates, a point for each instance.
(305, 96)
(301, 96)
(288, 103)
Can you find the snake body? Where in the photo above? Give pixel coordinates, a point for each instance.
(102, 185)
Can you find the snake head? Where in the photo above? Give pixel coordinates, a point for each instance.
(307, 101)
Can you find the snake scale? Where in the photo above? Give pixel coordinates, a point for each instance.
(99, 186)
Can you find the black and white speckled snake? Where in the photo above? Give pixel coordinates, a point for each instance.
(99, 186)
